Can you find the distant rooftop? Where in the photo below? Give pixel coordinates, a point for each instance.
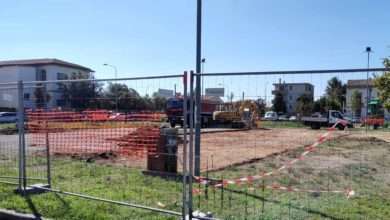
(45, 61)
(283, 83)
(359, 83)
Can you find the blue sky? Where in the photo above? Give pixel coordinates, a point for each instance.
(152, 37)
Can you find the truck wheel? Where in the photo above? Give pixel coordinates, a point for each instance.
(315, 126)
(340, 127)
(173, 123)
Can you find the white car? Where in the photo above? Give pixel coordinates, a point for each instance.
(271, 116)
(8, 117)
(293, 118)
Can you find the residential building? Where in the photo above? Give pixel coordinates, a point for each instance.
(366, 90)
(291, 92)
(37, 70)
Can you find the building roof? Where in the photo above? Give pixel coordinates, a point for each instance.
(360, 83)
(45, 61)
(283, 83)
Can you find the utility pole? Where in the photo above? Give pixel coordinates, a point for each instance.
(198, 106)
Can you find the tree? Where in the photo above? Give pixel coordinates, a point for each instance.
(127, 98)
(81, 95)
(335, 92)
(382, 83)
(278, 104)
(40, 99)
(324, 104)
(159, 102)
(261, 105)
(304, 105)
(356, 102)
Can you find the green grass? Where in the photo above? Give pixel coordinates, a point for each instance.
(282, 124)
(346, 168)
(7, 126)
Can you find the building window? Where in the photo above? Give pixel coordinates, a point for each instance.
(41, 75)
(26, 96)
(290, 87)
(61, 102)
(62, 76)
(308, 88)
(290, 97)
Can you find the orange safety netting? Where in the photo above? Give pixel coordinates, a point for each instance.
(94, 131)
(139, 143)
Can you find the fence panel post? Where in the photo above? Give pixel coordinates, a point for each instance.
(191, 147)
(47, 138)
(185, 151)
(22, 142)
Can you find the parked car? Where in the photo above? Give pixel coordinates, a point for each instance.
(271, 116)
(283, 118)
(293, 118)
(8, 117)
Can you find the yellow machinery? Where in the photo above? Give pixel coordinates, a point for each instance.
(238, 114)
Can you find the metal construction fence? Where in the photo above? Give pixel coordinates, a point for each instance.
(249, 145)
(271, 160)
(102, 140)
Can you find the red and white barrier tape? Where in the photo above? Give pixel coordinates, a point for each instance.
(347, 192)
(249, 179)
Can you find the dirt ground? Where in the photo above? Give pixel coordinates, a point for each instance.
(220, 150)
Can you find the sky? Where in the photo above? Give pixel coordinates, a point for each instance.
(154, 37)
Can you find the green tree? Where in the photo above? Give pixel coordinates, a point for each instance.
(159, 102)
(356, 102)
(261, 106)
(382, 83)
(40, 99)
(128, 99)
(325, 104)
(304, 105)
(80, 95)
(278, 104)
(336, 92)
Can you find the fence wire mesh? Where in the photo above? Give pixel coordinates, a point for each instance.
(9, 159)
(273, 146)
(264, 156)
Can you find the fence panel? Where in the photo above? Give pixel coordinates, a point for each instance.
(108, 140)
(9, 138)
(262, 163)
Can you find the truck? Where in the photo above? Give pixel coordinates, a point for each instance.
(174, 110)
(318, 120)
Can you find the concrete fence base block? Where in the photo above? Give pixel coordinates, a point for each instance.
(12, 215)
(33, 189)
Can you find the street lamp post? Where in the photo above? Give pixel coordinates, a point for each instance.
(368, 51)
(115, 69)
(115, 76)
(198, 85)
(202, 71)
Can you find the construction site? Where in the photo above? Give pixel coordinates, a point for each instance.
(242, 135)
(248, 166)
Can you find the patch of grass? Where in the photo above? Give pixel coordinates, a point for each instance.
(7, 126)
(281, 124)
